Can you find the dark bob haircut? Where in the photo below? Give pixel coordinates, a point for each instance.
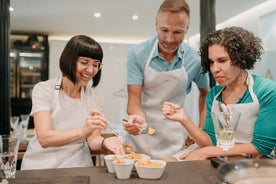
(80, 46)
(243, 47)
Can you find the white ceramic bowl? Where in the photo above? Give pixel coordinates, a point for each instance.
(123, 168)
(136, 156)
(151, 169)
(109, 162)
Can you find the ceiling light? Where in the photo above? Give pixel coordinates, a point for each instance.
(11, 9)
(97, 14)
(135, 17)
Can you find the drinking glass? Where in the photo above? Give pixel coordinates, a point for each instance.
(8, 154)
(24, 123)
(14, 120)
(225, 124)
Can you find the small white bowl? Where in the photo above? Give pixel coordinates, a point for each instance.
(136, 156)
(151, 169)
(123, 168)
(109, 162)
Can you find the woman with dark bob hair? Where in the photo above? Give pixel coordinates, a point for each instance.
(67, 111)
(228, 54)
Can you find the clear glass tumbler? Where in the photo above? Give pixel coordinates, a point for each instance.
(225, 124)
(9, 145)
(24, 123)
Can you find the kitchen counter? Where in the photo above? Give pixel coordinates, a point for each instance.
(192, 172)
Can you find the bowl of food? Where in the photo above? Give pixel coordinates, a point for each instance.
(150, 169)
(109, 162)
(123, 168)
(136, 156)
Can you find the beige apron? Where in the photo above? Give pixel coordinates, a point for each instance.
(67, 114)
(158, 87)
(249, 112)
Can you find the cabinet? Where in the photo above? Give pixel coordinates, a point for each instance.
(29, 64)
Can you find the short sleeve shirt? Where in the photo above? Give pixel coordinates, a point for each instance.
(264, 134)
(138, 55)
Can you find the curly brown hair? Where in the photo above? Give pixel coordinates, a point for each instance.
(243, 47)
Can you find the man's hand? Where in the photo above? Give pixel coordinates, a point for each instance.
(134, 124)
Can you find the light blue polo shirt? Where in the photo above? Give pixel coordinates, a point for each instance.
(138, 55)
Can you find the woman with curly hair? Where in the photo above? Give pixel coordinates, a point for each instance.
(228, 54)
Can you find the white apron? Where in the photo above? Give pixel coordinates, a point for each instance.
(66, 113)
(169, 136)
(249, 112)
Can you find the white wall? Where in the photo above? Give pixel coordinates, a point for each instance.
(55, 49)
(114, 81)
(267, 66)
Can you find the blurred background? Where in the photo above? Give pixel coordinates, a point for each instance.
(40, 30)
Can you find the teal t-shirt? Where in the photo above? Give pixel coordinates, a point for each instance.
(264, 134)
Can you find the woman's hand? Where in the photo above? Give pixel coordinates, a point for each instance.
(114, 144)
(95, 120)
(173, 111)
(202, 153)
(134, 124)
